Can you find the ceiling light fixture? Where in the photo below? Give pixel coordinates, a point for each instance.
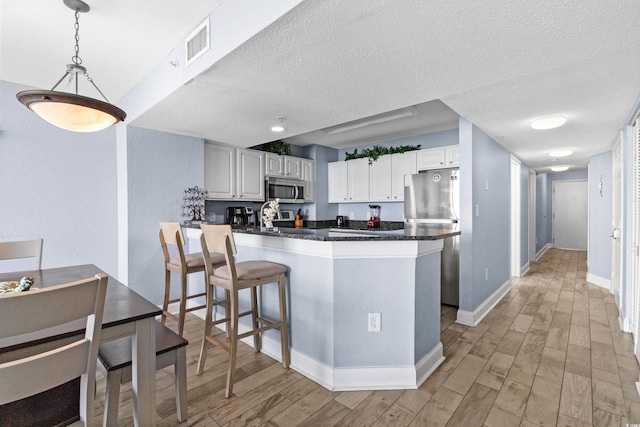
(71, 111)
(549, 122)
(561, 153)
(560, 168)
(280, 127)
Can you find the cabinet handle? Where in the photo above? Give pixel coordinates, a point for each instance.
(441, 163)
(388, 197)
(395, 197)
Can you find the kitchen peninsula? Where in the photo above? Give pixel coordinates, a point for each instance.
(335, 280)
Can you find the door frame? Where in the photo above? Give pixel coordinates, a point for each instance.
(515, 217)
(532, 215)
(616, 220)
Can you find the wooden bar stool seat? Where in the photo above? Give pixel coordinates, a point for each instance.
(114, 361)
(183, 264)
(233, 277)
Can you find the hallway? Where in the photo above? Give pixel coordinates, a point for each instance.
(550, 353)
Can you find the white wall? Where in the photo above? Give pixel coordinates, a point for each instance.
(58, 185)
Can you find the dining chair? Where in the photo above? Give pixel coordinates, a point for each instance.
(114, 359)
(38, 309)
(23, 249)
(234, 277)
(171, 237)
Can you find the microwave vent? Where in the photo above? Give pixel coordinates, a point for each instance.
(197, 43)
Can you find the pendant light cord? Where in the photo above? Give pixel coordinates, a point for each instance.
(77, 61)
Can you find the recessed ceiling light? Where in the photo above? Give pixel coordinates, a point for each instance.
(549, 122)
(560, 168)
(561, 153)
(280, 127)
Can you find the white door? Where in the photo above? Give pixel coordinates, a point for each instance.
(570, 215)
(616, 221)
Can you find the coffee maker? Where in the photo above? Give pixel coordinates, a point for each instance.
(238, 215)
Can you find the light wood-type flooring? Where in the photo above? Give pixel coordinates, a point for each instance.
(550, 353)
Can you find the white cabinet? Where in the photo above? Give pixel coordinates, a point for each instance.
(380, 176)
(308, 168)
(438, 158)
(349, 181)
(250, 177)
(233, 173)
(286, 166)
(386, 176)
(401, 165)
(452, 155)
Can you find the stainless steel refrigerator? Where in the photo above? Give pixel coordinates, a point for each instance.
(432, 200)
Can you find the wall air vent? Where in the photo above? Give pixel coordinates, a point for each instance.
(197, 43)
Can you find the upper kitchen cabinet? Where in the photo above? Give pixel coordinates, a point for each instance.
(309, 177)
(285, 166)
(386, 176)
(233, 173)
(438, 158)
(349, 181)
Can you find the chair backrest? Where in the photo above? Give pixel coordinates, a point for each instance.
(218, 238)
(169, 231)
(38, 309)
(22, 249)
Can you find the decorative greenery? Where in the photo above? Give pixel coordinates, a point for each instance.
(377, 151)
(278, 147)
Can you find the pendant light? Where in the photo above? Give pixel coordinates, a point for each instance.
(71, 111)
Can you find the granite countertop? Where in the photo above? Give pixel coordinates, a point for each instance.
(356, 232)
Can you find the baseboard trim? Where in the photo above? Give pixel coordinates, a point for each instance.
(542, 251)
(599, 281)
(350, 379)
(625, 324)
(473, 318)
(525, 269)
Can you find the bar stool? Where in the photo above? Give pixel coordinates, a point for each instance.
(183, 264)
(233, 277)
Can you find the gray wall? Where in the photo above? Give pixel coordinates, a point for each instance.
(599, 253)
(58, 185)
(160, 167)
(484, 242)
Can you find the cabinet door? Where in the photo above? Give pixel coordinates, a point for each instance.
(309, 178)
(358, 180)
(380, 179)
(219, 172)
(337, 172)
(401, 165)
(251, 184)
(453, 155)
(274, 164)
(293, 167)
(432, 158)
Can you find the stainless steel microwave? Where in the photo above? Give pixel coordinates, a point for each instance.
(287, 190)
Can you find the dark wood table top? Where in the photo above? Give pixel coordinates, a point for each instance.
(122, 305)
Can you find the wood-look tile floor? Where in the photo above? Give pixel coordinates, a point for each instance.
(550, 353)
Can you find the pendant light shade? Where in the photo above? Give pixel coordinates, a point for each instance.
(72, 111)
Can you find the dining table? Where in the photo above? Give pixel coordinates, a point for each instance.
(126, 313)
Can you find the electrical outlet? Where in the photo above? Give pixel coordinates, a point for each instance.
(374, 322)
(352, 215)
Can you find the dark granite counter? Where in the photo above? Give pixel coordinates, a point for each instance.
(389, 231)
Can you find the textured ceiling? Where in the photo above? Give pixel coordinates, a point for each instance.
(326, 62)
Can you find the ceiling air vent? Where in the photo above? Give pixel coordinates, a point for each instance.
(197, 43)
